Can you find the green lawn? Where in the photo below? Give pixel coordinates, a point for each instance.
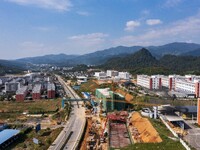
(14, 110)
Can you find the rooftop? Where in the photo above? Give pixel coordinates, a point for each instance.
(22, 90)
(51, 86)
(37, 88)
(7, 134)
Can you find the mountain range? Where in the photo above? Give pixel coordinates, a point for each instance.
(100, 57)
(172, 51)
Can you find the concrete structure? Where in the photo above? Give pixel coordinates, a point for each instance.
(124, 75)
(21, 93)
(14, 85)
(188, 86)
(100, 75)
(51, 90)
(36, 93)
(112, 73)
(81, 79)
(71, 135)
(149, 82)
(110, 100)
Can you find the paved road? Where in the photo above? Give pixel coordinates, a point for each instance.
(70, 136)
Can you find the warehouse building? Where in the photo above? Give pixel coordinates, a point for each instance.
(51, 90)
(36, 93)
(21, 93)
(7, 137)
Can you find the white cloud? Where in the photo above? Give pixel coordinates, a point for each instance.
(83, 13)
(182, 30)
(172, 3)
(59, 5)
(92, 36)
(130, 25)
(87, 42)
(153, 21)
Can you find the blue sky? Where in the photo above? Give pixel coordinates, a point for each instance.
(39, 27)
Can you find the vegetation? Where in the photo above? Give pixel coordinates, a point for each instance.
(13, 110)
(142, 62)
(45, 138)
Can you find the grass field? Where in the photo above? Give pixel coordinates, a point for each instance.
(9, 110)
(167, 144)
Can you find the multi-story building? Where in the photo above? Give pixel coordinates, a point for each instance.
(149, 82)
(21, 93)
(81, 79)
(36, 92)
(51, 90)
(188, 86)
(124, 75)
(14, 85)
(112, 73)
(100, 75)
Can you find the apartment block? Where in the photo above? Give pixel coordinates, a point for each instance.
(112, 73)
(124, 75)
(51, 90)
(36, 92)
(149, 82)
(21, 93)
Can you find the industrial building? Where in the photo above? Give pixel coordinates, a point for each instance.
(110, 100)
(21, 93)
(51, 90)
(36, 93)
(149, 82)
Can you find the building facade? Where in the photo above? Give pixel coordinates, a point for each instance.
(149, 82)
(21, 93)
(36, 92)
(51, 90)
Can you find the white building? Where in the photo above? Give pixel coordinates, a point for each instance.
(124, 75)
(81, 79)
(149, 82)
(112, 73)
(100, 75)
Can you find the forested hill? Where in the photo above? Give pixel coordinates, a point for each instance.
(143, 62)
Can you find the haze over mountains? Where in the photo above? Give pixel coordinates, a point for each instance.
(100, 57)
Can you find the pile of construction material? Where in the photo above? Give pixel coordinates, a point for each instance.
(142, 130)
